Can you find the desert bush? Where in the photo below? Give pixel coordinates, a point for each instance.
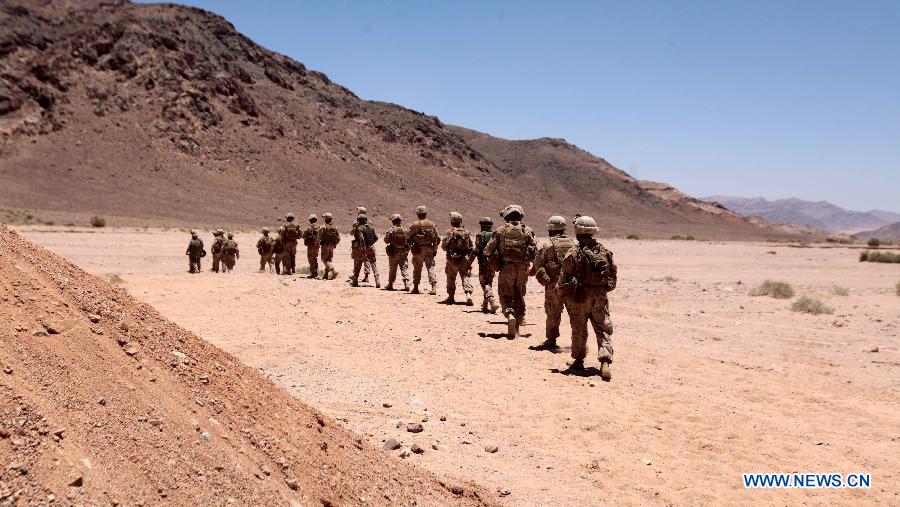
(888, 257)
(842, 241)
(677, 237)
(775, 289)
(98, 221)
(303, 270)
(840, 291)
(632, 236)
(806, 304)
(874, 242)
(667, 279)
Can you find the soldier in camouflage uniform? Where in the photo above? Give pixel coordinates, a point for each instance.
(458, 245)
(216, 248)
(425, 239)
(278, 250)
(363, 249)
(230, 253)
(588, 274)
(360, 211)
(195, 253)
(289, 237)
(514, 245)
(397, 251)
(265, 245)
(485, 273)
(329, 237)
(311, 242)
(546, 269)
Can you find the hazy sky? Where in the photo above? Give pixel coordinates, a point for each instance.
(748, 98)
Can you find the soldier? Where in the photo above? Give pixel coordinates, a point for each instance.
(425, 240)
(513, 244)
(311, 241)
(458, 245)
(216, 248)
(397, 251)
(194, 252)
(265, 246)
(546, 269)
(366, 268)
(364, 249)
(329, 237)
(588, 274)
(289, 237)
(278, 250)
(485, 273)
(230, 253)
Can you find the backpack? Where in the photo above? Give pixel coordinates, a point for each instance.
(426, 234)
(593, 266)
(458, 241)
(513, 243)
(291, 232)
(481, 241)
(368, 234)
(311, 235)
(195, 246)
(217, 245)
(561, 246)
(398, 238)
(230, 247)
(330, 235)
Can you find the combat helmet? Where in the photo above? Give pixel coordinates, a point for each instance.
(220, 232)
(421, 210)
(395, 217)
(512, 212)
(360, 210)
(193, 235)
(586, 225)
(313, 218)
(265, 230)
(485, 221)
(362, 218)
(455, 217)
(327, 216)
(556, 223)
(289, 217)
(230, 235)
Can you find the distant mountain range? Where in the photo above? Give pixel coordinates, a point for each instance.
(821, 214)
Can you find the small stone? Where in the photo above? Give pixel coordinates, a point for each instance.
(386, 405)
(200, 402)
(4, 433)
(39, 333)
(320, 419)
(292, 483)
(505, 492)
(131, 351)
(425, 419)
(102, 401)
(206, 436)
(266, 470)
(491, 449)
(416, 448)
(399, 424)
(21, 328)
(434, 446)
(204, 379)
(391, 444)
(76, 480)
(7, 370)
(122, 341)
(443, 418)
(404, 453)
(59, 432)
(51, 498)
(155, 423)
(414, 428)
(874, 349)
(457, 490)
(646, 461)
(93, 318)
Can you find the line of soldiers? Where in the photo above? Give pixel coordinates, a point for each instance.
(576, 273)
(224, 252)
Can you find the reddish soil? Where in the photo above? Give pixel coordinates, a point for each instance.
(104, 400)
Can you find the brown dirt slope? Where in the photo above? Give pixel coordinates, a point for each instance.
(105, 400)
(163, 114)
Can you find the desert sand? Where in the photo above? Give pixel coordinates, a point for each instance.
(708, 382)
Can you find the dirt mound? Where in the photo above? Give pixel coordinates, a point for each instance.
(104, 400)
(109, 99)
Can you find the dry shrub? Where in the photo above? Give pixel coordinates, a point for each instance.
(806, 304)
(775, 289)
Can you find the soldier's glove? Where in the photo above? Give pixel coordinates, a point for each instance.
(568, 288)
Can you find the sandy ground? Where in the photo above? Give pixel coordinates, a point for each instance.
(708, 382)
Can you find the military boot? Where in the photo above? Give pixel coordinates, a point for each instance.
(405, 285)
(377, 282)
(576, 365)
(605, 371)
(484, 305)
(548, 344)
(511, 327)
(494, 307)
(365, 278)
(415, 289)
(469, 300)
(389, 286)
(433, 289)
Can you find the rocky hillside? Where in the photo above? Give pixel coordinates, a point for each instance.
(890, 232)
(163, 114)
(106, 402)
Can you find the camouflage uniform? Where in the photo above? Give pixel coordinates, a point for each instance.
(485, 273)
(216, 249)
(328, 241)
(397, 251)
(278, 251)
(367, 269)
(547, 266)
(425, 240)
(194, 253)
(457, 243)
(265, 246)
(514, 244)
(363, 250)
(289, 237)
(311, 241)
(584, 287)
(230, 253)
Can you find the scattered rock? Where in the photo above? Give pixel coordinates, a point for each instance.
(443, 418)
(434, 446)
(266, 470)
(292, 483)
(404, 453)
(491, 449)
(101, 401)
(204, 379)
(391, 444)
(40, 333)
(386, 405)
(181, 356)
(76, 480)
(457, 490)
(4, 433)
(320, 419)
(416, 448)
(505, 492)
(646, 461)
(93, 318)
(59, 432)
(874, 349)
(206, 436)
(21, 328)
(131, 351)
(7, 370)
(156, 423)
(414, 428)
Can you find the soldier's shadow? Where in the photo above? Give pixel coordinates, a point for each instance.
(587, 372)
(558, 350)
